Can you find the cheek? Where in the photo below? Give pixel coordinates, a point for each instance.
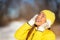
(43, 20)
(39, 23)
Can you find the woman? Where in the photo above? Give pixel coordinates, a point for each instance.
(37, 27)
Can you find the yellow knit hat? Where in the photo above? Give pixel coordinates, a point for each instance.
(49, 15)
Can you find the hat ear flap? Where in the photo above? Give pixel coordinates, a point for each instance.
(48, 23)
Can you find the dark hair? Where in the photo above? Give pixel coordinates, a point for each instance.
(31, 30)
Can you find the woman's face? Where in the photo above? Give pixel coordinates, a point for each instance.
(40, 19)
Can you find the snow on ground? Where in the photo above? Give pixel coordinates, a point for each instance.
(7, 33)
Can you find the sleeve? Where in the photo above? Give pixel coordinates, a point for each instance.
(21, 33)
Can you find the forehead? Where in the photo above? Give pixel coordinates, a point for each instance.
(41, 13)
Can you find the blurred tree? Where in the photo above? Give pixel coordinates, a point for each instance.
(3, 12)
(12, 9)
(58, 9)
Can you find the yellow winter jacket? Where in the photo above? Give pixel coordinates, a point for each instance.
(22, 32)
